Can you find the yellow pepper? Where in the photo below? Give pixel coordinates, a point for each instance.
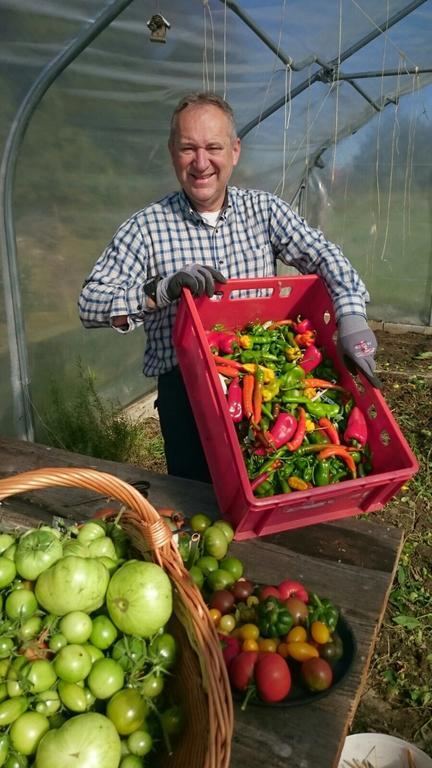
(310, 426)
(245, 342)
(268, 373)
(292, 353)
(297, 483)
(309, 392)
(270, 390)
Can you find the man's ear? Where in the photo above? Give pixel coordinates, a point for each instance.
(236, 151)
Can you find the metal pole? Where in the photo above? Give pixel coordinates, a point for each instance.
(20, 380)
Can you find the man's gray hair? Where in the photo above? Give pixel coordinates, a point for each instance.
(202, 99)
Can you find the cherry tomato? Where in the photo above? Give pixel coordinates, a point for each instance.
(215, 615)
(173, 720)
(56, 642)
(200, 522)
(301, 651)
(267, 644)
(7, 571)
(21, 604)
(298, 610)
(297, 635)
(27, 731)
(47, 703)
(41, 675)
(234, 566)
(207, 564)
(106, 678)
(268, 591)
(129, 652)
(72, 663)
(30, 628)
(316, 674)
(127, 710)
(93, 652)
(131, 761)
(197, 576)
(242, 589)
(6, 647)
(164, 649)
(226, 528)
(11, 709)
(215, 542)
(227, 623)
(73, 696)
(152, 686)
(222, 600)
(272, 677)
(248, 632)
(103, 632)
(289, 588)
(320, 632)
(250, 645)
(76, 627)
(140, 743)
(220, 579)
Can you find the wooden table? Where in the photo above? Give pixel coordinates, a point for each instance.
(351, 561)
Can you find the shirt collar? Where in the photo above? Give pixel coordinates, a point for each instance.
(188, 210)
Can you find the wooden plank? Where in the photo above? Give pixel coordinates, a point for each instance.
(351, 561)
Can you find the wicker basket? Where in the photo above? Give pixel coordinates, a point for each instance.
(201, 678)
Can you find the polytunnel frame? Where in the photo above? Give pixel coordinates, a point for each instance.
(328, 72)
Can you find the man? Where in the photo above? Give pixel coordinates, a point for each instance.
(200, 235)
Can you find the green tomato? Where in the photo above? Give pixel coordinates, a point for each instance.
(72, 663)
(4, 666)
(27, 731)
(90, 532)
(164, 650)
(226, 528)
(220, 579)
(6, 647)
(103, 633)
(131, 761)
(140, 743)
(40, 675)
(47, 702)
(234, 566)
(173, 721)
(215, 542)
(36, 551)
(56, 642)
(130, 652)
(93, 652)
(128, 710)
(207, 564)
(3, 693)
(152, 686)
(139, 598)
(200, 522)
(9, 553)
(102, 547)
(76, 627)
(72, 584)
(73, 547)
(88, 741)
(197, 576)
(16, 761)
(30, 628)
(6, 541)
(7, 571)
(21, 604)
(4, 747)
(11, 709)
(73, 696)
(106, 678)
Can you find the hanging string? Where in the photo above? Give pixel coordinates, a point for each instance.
(224, 51)
(337, 86)
(206, 84)
(287, 118)
(206, 5)
(394, 148)
(383, 32)
(274, 68)
(406, 217)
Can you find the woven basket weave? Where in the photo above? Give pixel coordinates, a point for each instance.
(201, 679)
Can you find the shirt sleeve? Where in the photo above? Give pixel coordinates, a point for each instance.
(115, 284)
(297, 244)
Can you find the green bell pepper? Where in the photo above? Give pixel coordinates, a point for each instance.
(322, 609)
(274, 619)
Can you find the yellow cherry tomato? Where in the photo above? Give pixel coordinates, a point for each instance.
(215, 615)
(282, 650)
(267, 644)
(297, 635)
(249, 632)
(227, 623)
(249, 645)
(301, 651)
(320, 632)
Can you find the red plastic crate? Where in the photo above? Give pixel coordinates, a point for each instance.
(284, 297)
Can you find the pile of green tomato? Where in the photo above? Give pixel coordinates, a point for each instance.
(84, 651)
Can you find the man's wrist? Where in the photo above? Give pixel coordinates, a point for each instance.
(150, 291)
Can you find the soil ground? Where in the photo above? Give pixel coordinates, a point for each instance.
(398, 695)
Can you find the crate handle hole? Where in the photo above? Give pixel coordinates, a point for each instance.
(285, 291)
(372, 412)
(327, 317)
(384, 437)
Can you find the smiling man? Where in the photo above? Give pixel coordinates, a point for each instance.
(202, 234)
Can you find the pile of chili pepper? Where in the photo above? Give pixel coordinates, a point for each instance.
(297, 427)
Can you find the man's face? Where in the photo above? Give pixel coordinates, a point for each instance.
(204, 154)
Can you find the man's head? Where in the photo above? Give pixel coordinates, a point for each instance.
(204, 148)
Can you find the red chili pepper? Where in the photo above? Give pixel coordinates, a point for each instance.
(311, 358)
(222, 341)
(257, 395)
(226, 370)
(248, 388)
(213, 340)
(303, 325)
(265, 475)
(235, 405)
(329, 429)
(342, 452)
(300, 431)
(356, 428)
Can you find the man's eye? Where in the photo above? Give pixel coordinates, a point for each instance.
(215, 148)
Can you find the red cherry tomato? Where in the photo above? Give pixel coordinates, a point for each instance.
(272, 677)
(269, 591)
(289, 588)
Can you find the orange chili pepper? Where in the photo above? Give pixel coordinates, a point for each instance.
(257, 396)
(341, 451)
(321, 383)
(298, 484)
(329, 429)
(299, 434)
(226, 370)
(248, 388)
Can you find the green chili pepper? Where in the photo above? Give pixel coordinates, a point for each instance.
(291, 378)
(256, 356)
(321, 475)
(274, 619)
(317, 409)
(267, 488)
(283, 483)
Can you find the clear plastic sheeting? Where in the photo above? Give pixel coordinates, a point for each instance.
(333, 102)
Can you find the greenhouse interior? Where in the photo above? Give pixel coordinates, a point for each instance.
(333, 108)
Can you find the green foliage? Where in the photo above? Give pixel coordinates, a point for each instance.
(80, 420)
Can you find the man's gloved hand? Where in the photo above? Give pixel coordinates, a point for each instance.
(196, 277)
(357, 344)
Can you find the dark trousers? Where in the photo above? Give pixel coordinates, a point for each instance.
(183, 451)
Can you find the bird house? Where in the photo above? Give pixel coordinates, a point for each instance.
(158, 27)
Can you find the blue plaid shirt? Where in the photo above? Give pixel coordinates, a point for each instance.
(254, 230)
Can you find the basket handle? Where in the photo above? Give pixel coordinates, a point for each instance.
(155, 531)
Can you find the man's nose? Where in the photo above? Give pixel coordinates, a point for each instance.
(201, 159)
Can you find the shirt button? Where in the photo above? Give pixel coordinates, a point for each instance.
(221, 261)
(139, 307)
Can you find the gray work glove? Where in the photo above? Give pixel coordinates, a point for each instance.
(357, 344)
(196, 277)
